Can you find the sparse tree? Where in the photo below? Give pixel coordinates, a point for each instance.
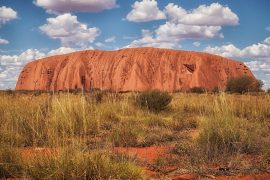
(243, 84)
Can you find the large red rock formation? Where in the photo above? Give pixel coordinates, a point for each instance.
(134, 69)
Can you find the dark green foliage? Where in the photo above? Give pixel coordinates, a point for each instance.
(198, 90)
(154, 101)
(243, 84)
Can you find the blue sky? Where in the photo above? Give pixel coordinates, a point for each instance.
(31, 29)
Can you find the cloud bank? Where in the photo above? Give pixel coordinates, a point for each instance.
(204, 22)
(65, 6)
(69, 31)
(7, 14)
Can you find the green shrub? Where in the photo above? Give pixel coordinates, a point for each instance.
(154, 101)
(198, 90)
(243, 84)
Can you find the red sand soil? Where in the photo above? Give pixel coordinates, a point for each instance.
(144, 153)
(265, 176)
(184, 177)
(132, 69)
(150, 154)
(248, 177)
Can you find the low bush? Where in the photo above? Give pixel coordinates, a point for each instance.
(243, 84)
(154, 101)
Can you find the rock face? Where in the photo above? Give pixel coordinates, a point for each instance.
(133, 69)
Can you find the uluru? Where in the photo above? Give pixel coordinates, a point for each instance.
(131, 69)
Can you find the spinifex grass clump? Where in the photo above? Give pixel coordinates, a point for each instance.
(66, 163)
(71, 117)
(222, 134)
(127, 133)
(252, 108)
(23, 119)
(76, 164)
(154, 101)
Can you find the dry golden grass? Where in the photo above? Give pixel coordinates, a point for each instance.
(86, 127)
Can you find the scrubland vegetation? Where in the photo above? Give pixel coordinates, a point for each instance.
(73, 136)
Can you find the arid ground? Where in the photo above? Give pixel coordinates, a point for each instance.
(102, 135)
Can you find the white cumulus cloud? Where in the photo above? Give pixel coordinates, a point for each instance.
(212, 15)
(4, 41)
(7, 14)
(148, 40)
(69, 31)
(63, 6)
(182, 31)
(99, 44)
(144, 11)
(196, 44)
(267, 41)
(226, 50)
(11, 66)
(257, 51)
(61, 50)
(204, 22)
(110, 40)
